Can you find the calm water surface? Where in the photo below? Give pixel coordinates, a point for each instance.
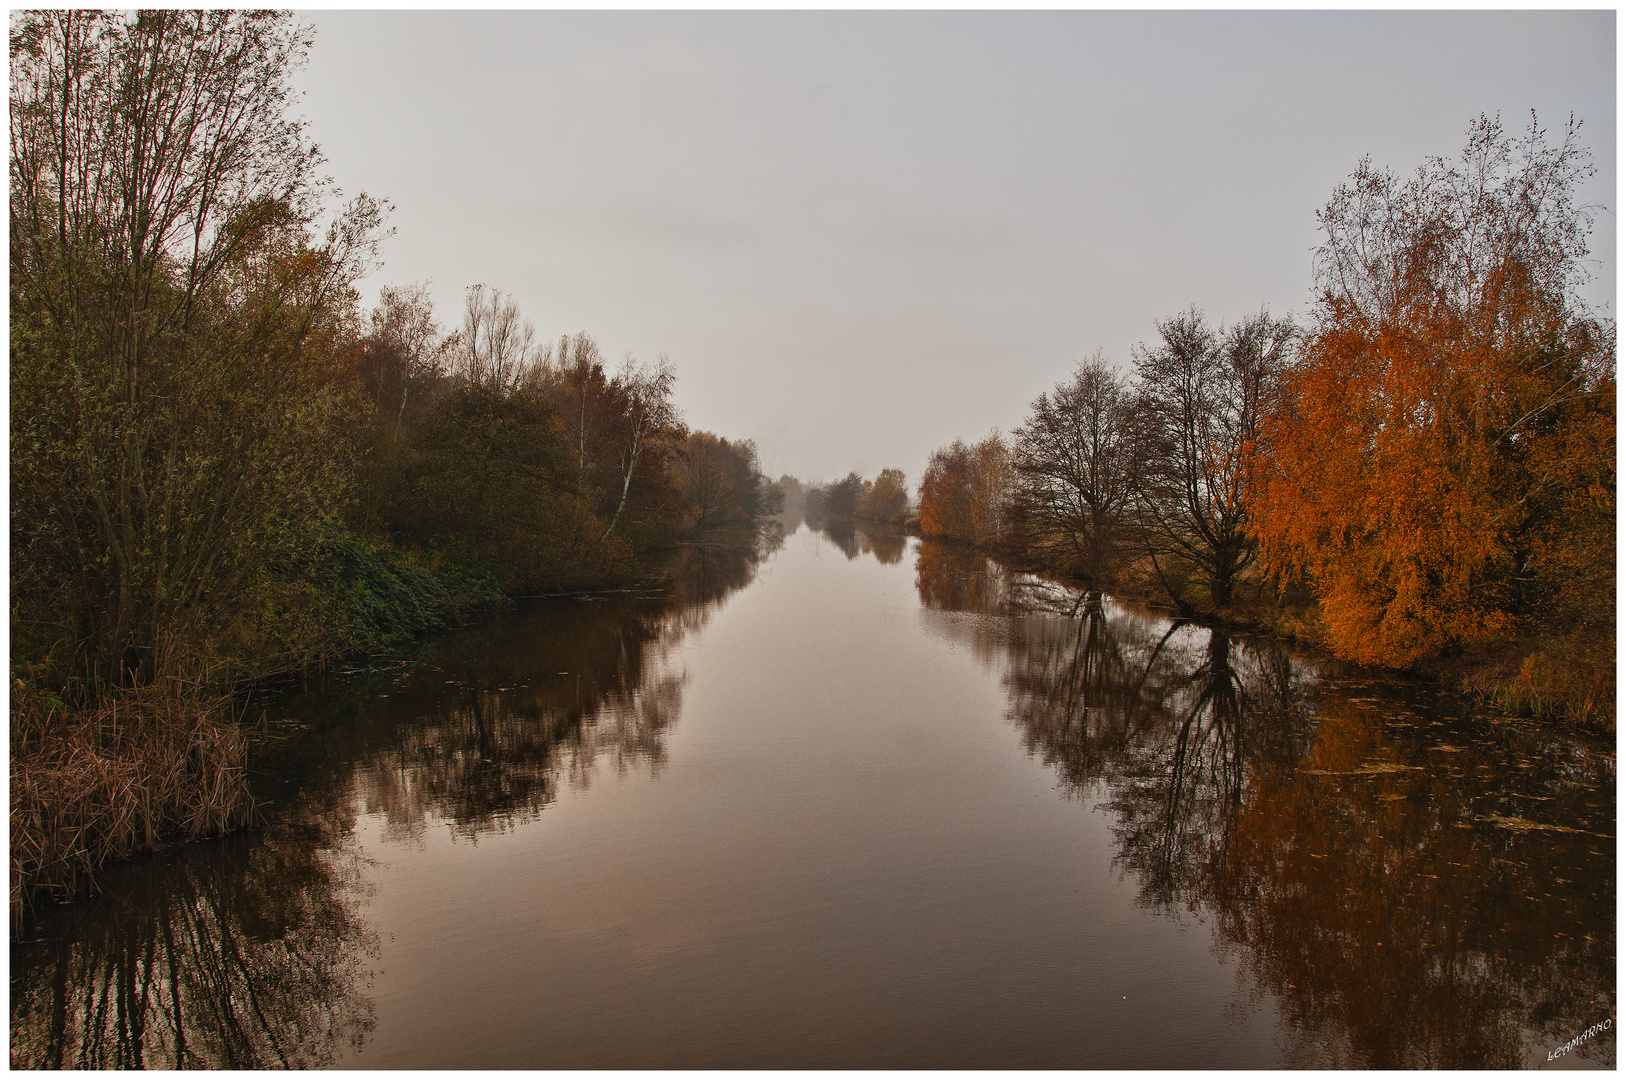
(852, 801)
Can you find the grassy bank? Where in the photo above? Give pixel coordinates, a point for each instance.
(115, 776)
(104, 773)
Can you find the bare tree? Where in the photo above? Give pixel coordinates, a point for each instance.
(1199, 404)
(1074, 458)
(498, 347)
(579, 361)
(406, 346)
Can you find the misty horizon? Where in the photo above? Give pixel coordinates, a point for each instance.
(859, 236)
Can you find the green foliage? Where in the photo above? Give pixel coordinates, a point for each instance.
(376, 595)
(176, 420)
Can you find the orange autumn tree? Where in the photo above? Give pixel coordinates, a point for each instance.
(1440, 465)
(965, 493)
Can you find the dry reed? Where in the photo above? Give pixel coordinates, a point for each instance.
(117, 777)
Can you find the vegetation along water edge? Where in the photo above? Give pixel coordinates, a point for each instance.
(225, 469)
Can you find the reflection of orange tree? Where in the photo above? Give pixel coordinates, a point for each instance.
(1409, 903)
(886, 544)
(1362, 891)
(954, 578)
(242, 954)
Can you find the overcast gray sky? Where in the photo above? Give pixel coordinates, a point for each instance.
(860, 235)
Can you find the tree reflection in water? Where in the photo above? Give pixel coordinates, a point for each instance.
(1415, 888)
(856, 538)
(249, 952)
(481, 732)
(243, 953)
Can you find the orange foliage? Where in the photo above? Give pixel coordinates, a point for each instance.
(1424, 466)
(966, 491)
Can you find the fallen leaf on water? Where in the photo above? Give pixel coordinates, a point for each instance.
(1374, 768)
(1519, 824)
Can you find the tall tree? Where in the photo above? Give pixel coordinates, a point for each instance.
(176, 421)
(1442, 465)
(966, 491)
(885, 500)
(1201, 396)
(722, 482)
(404, 351)
(1074, 465)
(648, 411)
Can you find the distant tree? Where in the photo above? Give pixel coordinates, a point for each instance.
(722, 483)
(840, 499)
(813, 504)
(966, 491)
(1074, 459)
(886, 500)
(792, 496)
(1442, 463)
(1199, 403)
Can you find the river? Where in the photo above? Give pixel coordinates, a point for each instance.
(844, 800)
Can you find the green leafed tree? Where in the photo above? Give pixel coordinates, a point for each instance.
(178, 423)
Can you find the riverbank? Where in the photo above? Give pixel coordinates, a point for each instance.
(763, 820)
(123, 772)
(1566, 675)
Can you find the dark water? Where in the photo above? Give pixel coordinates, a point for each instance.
(849, 801)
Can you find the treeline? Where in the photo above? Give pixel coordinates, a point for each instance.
(206, 425)
(882, 501)
(1420, 475)
(223, 467)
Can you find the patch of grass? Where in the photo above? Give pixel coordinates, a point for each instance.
(116, 776)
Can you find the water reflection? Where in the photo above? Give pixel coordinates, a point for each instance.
(1414, 889)
(481, 732)
(249, 952)
(246, 953)
(855, 538)
(1420, 896)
